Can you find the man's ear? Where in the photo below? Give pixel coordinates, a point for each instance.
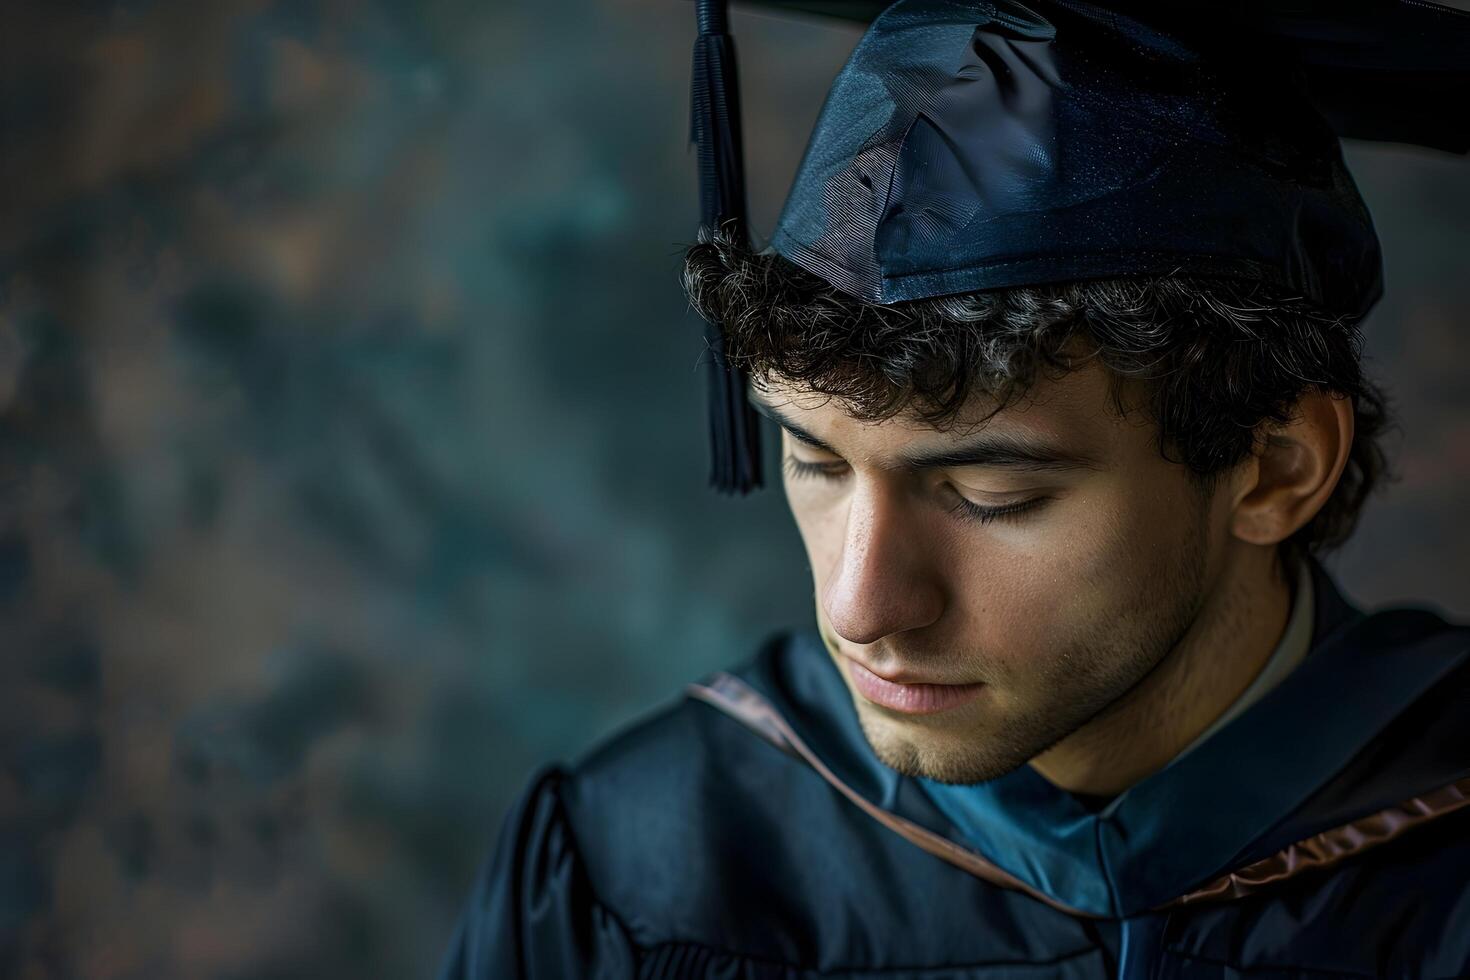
(1295, 470)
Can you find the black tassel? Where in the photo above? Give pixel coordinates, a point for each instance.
(735, 452)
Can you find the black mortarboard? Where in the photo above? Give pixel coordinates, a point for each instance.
(977, 145)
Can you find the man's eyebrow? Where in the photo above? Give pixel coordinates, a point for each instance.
(1001, 450)
(797, 432)
(1006, 452)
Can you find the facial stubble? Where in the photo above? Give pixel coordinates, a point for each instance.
(1094, 673)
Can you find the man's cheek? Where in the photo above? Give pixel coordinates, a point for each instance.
(1027, 602)
(1013, 617)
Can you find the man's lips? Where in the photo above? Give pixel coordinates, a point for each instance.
(912, 699)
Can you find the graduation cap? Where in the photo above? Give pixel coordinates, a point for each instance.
(978, 145)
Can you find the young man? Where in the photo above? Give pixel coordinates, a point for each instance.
(1060, 328)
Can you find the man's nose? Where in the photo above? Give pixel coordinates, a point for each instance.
(883, 582)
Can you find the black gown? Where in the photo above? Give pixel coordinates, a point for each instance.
(749, 832)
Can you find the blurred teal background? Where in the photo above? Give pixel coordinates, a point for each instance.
(352, 451)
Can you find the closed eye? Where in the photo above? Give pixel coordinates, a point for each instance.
(801, 469)
(968, 510)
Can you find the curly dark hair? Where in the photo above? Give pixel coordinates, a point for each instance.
(1217, 358)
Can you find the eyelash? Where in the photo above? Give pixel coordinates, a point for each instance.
(971, 511)
(802, 470)
(964, 509)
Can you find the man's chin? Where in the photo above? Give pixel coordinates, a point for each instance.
(926, 751)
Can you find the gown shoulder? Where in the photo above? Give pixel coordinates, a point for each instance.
(686, 847)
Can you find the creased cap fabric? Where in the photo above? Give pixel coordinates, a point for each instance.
(968, 146)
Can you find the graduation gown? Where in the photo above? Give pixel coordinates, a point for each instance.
(750, 832)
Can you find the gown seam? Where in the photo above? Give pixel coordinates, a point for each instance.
(573, 844)
(1266, 967)
(644, 952)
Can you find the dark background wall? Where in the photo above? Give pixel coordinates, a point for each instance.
(351, 455)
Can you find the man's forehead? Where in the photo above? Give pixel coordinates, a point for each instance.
(1076, 405)
(1061, 425)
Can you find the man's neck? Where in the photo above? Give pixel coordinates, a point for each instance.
(1239, 626)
